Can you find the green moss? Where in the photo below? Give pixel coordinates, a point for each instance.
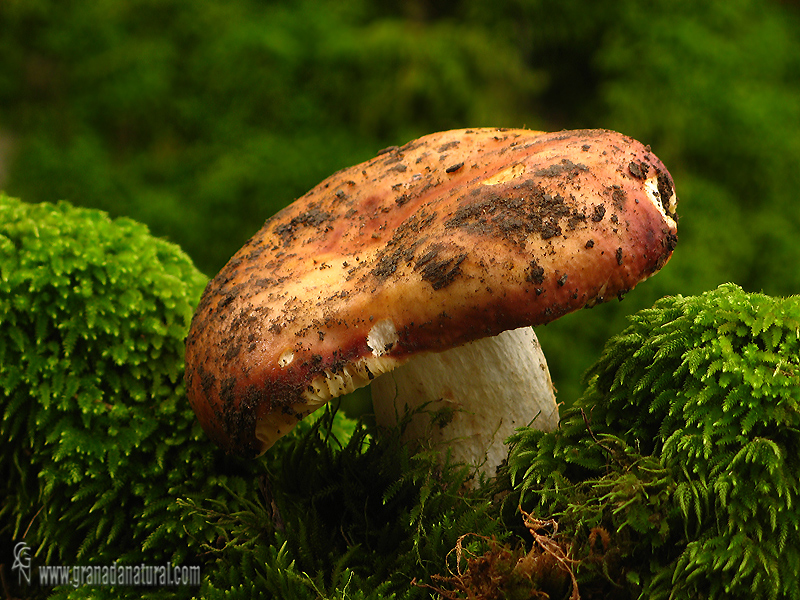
(677, 473)
(97, 440)
(365, 520)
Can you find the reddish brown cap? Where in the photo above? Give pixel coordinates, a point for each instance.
(453, 237)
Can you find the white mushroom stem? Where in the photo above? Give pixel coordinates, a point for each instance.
(476, 395)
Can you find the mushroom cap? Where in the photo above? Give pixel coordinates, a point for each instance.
(453, 237)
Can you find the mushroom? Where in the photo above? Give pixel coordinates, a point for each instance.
(445, 242)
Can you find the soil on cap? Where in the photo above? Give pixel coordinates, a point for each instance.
(665, 189)
(565, 168)
(519, 213)
(535, 273)
(313, 218)
(407, 237)
(439, 271)
(638, 169)
(618, 197)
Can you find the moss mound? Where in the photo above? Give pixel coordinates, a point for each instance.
(367, 519)
(97, 441)
(678, 472)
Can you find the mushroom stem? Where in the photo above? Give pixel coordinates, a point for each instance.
(472, 397)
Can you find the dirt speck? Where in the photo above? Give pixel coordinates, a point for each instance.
(575, 219)
(618, 197)
(535, 273)
(638, 169)
(448, 146)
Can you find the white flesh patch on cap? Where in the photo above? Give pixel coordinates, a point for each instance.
(651, 187)
(286, 358)
(382, 337)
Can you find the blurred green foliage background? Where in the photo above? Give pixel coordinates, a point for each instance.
(203, 118)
